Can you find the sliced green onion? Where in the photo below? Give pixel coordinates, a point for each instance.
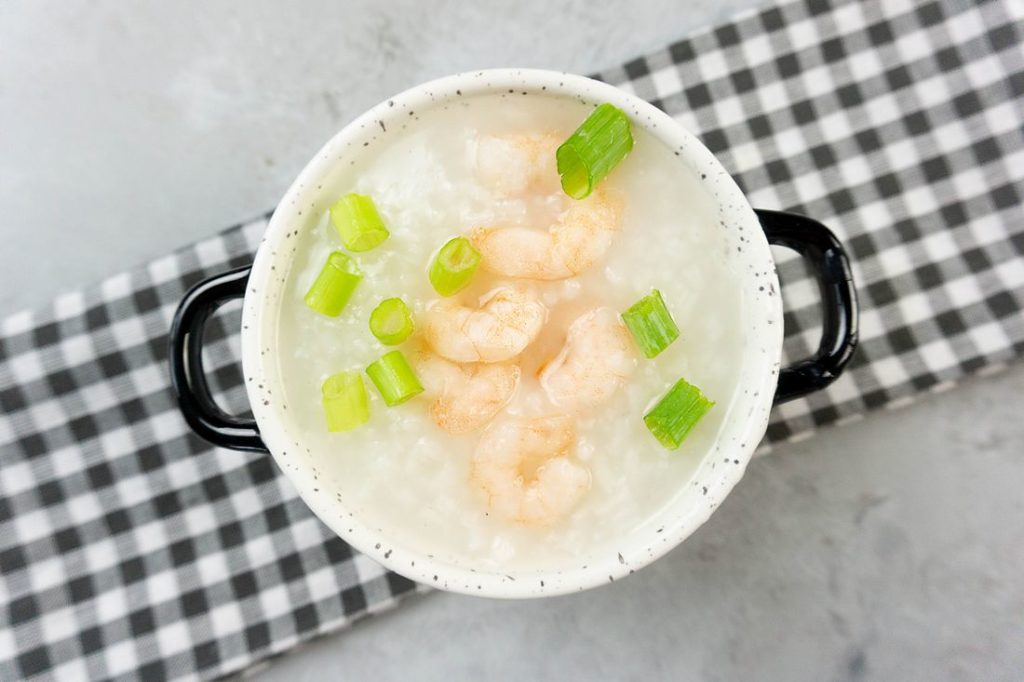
(590, 153)
(391, 321)
(358, 223)
(345, 402)
(334, 285)
(651, 324)
(394, 378)
(454, 266)
(677, 413)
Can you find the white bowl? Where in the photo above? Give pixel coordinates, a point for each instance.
(302, 206)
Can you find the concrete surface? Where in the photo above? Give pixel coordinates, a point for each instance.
(888, 549)
(144, 125)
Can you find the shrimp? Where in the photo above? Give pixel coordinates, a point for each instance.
(579, 238)
(526, 470)
(465, 397)
(506, 322)
(594, 363)
(513, 164)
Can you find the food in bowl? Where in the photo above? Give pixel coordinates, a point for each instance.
(514, 335)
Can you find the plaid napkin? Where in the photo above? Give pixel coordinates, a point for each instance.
(131, 549)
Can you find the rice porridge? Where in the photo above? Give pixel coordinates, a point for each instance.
(562, 376)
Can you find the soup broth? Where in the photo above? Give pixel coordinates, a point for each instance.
(402, 474)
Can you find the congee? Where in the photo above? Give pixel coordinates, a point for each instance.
(515, 333)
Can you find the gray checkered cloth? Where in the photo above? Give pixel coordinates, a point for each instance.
(131, 549)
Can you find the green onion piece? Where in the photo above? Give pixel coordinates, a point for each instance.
(345, 402)
(593, 150)
(651, 324)
(454, 266)
(358, 223)
(334, 285)
(677, 413)
(391, 321)
(394, 378)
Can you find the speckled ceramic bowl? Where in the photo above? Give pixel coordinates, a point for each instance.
(764, 382)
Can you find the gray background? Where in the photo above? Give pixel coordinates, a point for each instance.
(891, 548)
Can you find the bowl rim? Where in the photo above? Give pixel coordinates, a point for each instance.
(266, 282)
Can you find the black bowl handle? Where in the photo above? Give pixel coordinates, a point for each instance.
(186, 353)
(825, 254)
